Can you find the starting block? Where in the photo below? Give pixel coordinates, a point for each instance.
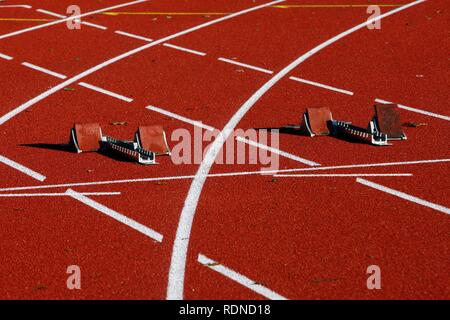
(387, 120)
(149, 142)
(86, 137)
(152, 138)
(315, 121)
(369, 135)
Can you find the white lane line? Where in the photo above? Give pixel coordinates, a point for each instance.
(427, 113)
(131, 35)
(107, 92)
(90, 24)
(181, 243)
(239, 278)
(6, 57)
(244, 65)
(106, 63)
(44, 70)
(404, 196)
(69, 18)
(223, 175)
(321, 85)
(22, 168)
(16, 6)
(277, 151)
(343, 175)
(181, 118)
(56, 194)
(184, 49)
(115, 215)
(51, 13)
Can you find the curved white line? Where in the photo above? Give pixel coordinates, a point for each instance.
(180, 247)
(68, 82)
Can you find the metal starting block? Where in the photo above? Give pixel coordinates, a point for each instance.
(149, 142)
(315, 121)
(387, 120)
(367, 135)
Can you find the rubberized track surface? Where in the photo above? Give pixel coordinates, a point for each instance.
(294, 237)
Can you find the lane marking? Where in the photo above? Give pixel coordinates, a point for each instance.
(244, 65)
(239, 278)
(277, 151)
(22, 168)
(6, 57)
(107, 92)
(181, 118)
(7, 35)
(16, 6)
(26, 19)
(321, 85)
(326, 6)
(115, 215)
(131, 35)
(106, 63)
(344, 175)
(181, 243)
(90, 24)
(403, 195)
(137, 13)
(241, 139)
(184, 49)
(44, 70)
(51, 13)
(222, 175)
(427, 113)
(11, 195)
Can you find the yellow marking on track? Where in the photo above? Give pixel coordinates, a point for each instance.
(113, 13)
(24, 19)
(334, 5)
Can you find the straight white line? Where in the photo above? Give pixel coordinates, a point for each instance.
(6, 57)
(90, 24)
(69, 18)
(404, 196)
(321, 85)
(107, 92)
(49, 72)
(8, 195)
(427, 113)
(239, 278)
(115, 215)
(184, 49)
(277, 151)
(51, 13)
(344, 175)
(248, 66)
(124, 55)
(22, 168)
(181, 118)
(224, 174)
(16, 6)
(131, 35)
(181, 243)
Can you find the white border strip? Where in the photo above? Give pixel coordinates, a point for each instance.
(343, 175)
(107, 92)
(248, 66)
(16, 6)
(131, 35)
(6, 57)
(51, 13)
(181, 118)
(321, 85)
(403, 195)
(239, 278)
(427, 113)
(115, 215)
(277, 151)
(90, 24)
(184, 49)
(56, 194)
(22, 168)
(43, 70)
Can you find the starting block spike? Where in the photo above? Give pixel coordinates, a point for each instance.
(387, 121)
(86, 137)
(315, 121)
(128, 149)
(357, 133)
(152, 138)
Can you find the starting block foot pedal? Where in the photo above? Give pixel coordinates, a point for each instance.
(152, 138)
(315, 121)
(387, 121)
(86, 137)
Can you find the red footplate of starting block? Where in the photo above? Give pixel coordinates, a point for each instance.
(315, 121)
(153, 138)
(388, 121)
(86, 137)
